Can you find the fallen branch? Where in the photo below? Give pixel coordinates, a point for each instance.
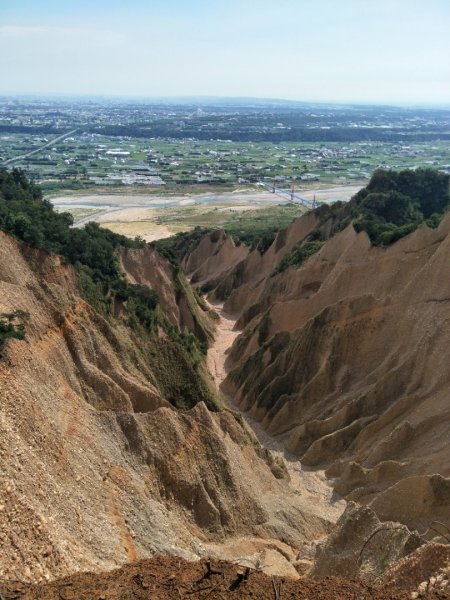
(278, 589)
(241, 577)
(211, 590)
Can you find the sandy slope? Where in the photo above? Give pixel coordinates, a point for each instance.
(345, 359)
(96, 467)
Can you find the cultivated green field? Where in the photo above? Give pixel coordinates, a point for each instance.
(84, 162)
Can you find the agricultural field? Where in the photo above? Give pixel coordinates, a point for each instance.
(172, 149)
(82, 162)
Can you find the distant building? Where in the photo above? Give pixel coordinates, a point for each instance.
(118, 153)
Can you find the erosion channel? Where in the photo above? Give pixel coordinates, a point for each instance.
(314, 491)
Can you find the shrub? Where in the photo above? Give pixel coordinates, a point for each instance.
(298, 255)
(12, 325)
(394, 204)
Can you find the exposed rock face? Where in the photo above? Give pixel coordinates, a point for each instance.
(215, 256)
(418, 500)
(346, 359)
(145, 266)
(362, 546)
(96, 467)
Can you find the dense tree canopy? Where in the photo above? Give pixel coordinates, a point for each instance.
(392, 205)
(25, 215)
(426, 188)
(395, 203)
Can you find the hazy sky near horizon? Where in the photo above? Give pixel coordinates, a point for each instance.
(315, 50)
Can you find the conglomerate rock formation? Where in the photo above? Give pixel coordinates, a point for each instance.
(97, 467)
(345, 358)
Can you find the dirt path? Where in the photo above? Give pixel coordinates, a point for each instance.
(313, 488)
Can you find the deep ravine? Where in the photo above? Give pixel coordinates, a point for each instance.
(311, 485)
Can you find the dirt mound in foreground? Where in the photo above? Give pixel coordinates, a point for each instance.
(165, 578)
(429, 564)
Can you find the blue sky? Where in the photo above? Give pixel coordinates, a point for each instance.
(316, 50)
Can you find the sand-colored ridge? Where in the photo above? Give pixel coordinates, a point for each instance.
(345, 359)
(96, 467)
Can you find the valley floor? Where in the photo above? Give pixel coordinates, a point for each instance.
(154, 217)
(315, 493)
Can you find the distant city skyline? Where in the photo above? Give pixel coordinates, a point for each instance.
(352, 51)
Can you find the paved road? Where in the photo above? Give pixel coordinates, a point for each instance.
(50, 143)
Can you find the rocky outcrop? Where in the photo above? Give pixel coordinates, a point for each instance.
(213, 259)
(183, 308)
(233, 273)
(419, 500)
(362, 546)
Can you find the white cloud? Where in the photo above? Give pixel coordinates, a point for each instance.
(21, 31)
(29, 31)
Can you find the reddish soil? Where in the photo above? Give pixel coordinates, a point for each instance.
(419, 566)
(164, 578)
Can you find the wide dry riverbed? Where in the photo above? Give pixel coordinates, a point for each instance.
(314, 490)
(137, 214)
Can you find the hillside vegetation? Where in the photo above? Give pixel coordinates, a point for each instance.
(391, 206)
(394, 204)
(28, 217)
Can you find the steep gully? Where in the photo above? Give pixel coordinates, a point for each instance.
(97, 467)
(314, 490)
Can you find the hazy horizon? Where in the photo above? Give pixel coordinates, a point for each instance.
(354, 52)
(200, 99)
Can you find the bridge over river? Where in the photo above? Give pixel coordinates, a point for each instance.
(291, 194)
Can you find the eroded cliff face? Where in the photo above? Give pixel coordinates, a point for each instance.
(346, 360)
(185, 310)
(96, 466)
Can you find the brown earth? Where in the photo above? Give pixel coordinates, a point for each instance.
(342, 366)
(165, 578)
(429, 564)
(97, 468)
(345, 359)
